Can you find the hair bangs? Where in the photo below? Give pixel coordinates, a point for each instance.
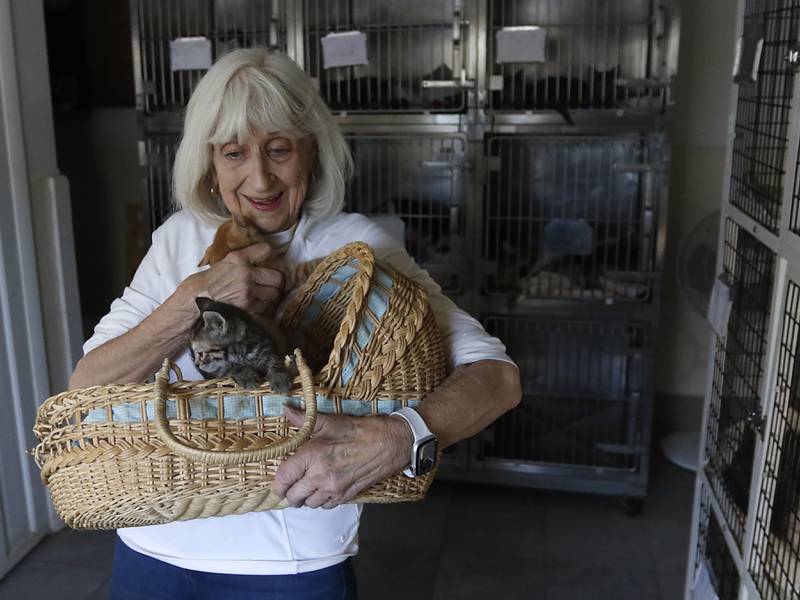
(250, 107)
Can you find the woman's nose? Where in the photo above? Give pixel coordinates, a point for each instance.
(261, 174)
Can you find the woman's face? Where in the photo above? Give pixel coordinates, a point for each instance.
(265, 180)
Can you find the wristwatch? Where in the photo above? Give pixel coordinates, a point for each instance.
(424, 449)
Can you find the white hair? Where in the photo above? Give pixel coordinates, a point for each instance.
(245, 93)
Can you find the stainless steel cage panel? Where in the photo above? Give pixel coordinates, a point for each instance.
(713, 554)
(736, 406)
(157, 154)
(762, 113)
(599, 54)
(415, 52)
(226, 24)
(794, 210)
(419, 180)
(586, 396)
(775, 558)
(572, 218)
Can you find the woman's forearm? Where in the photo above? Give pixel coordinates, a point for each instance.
(135, 355)
(471, 398)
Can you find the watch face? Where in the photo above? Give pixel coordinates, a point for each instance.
(426, 457)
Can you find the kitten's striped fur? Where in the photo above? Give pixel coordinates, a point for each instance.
(227, 342)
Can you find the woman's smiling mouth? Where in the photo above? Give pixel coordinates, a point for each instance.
(266, 203)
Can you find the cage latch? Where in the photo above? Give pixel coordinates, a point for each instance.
(793, 56)
(756, 420)
(462, 82)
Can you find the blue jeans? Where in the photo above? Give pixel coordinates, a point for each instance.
(137, 576)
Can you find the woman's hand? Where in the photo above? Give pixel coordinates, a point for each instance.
(344, 456)
(347, 454)
(237, 280)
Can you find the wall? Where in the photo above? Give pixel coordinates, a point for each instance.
(698, 132)
(97, 151)
(91, 70)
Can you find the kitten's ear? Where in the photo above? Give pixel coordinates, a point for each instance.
(203, 303)
(215, 321)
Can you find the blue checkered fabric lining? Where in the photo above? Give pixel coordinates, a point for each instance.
(239, 407)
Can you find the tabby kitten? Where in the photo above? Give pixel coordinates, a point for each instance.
(227, 342)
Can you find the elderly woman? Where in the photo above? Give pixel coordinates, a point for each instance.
(259, 141)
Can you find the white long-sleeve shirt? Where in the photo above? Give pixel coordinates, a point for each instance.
(293, 540)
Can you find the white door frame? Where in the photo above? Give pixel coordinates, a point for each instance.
(39, 340)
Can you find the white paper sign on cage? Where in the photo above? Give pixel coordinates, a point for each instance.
(719, 308)
(344, 49)
(521, 44)
(189, 53)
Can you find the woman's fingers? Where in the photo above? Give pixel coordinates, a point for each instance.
(252, 254)
(299, 493)
(266, 276)
(254, 289)
(319, 499)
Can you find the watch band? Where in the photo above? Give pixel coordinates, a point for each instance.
(420, 431)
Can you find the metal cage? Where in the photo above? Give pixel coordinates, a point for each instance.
(736, 404)
(775, 560)
(713, 555)
(586, 404)
(763, 109)
(415, 52)
(794, 214)
(414, 185)
(165, 87)
(157, 154)
(603, 54)
(571, 218)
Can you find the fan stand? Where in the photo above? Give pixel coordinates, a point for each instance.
(681, 448)
(696, 273)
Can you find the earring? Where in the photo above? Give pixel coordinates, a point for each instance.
(313, 178)
(213, 190)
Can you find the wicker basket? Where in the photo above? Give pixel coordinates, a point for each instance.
(144, 454)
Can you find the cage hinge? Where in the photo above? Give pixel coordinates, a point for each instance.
(757, 421)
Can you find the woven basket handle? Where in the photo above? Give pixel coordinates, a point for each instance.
(223, 457)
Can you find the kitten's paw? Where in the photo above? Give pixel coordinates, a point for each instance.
(246, 382)
(281, 382)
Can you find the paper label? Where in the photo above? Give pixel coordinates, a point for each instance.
(719, 307)
(190, 53)
(521, 44)
(344, 49)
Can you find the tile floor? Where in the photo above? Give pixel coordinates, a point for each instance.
(538, 545)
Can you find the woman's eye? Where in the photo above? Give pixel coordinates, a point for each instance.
(279, 150)
(233, 154)
(278, 153)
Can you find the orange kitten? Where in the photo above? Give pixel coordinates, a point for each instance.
(237, 233)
